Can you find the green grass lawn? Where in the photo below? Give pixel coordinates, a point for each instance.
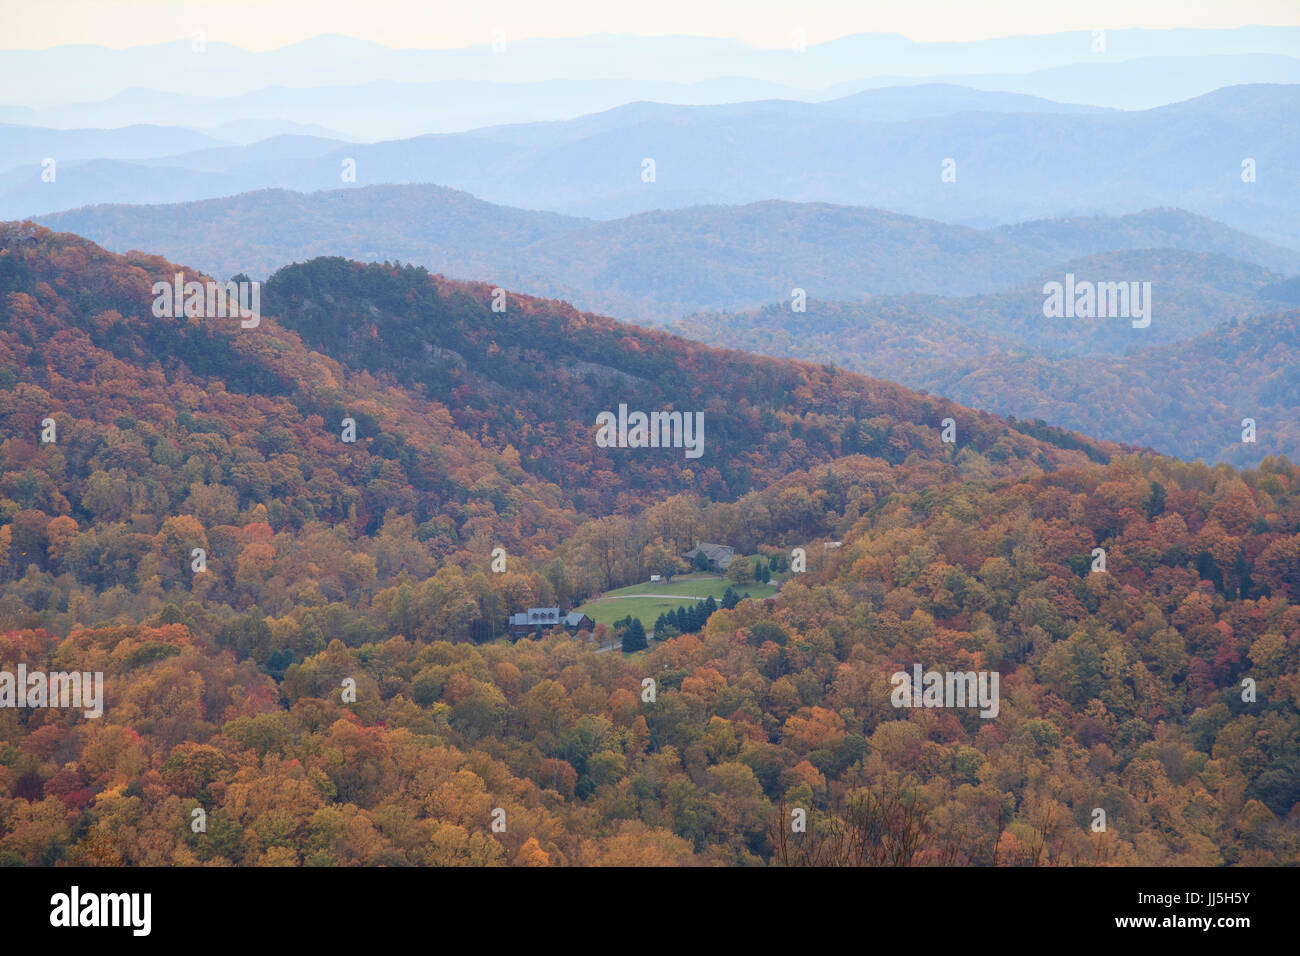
(685, 589)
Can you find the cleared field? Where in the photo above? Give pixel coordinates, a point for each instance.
(650, 599)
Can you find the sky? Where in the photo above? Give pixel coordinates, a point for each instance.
(431, 24)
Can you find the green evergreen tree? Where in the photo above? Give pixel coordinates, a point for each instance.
(634, 637)
(1156, 502)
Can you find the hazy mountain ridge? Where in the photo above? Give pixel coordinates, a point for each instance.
(1183, 394)
(1189, 155)
(225, 69)
(719, 258)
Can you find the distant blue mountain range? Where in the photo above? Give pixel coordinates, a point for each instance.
(1012, 159)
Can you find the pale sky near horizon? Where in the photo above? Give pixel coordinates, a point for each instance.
(267, 24)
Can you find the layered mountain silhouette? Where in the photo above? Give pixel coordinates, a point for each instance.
(1222, 155)
(654, 266)
(1116, 71)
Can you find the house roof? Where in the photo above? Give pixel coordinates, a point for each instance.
(712, 551)
(547, 615)
(536, 615)
(719, 553)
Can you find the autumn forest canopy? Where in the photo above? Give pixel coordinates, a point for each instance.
(339, 685)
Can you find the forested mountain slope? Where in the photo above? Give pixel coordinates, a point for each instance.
(368, 564)
(1222, 345)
